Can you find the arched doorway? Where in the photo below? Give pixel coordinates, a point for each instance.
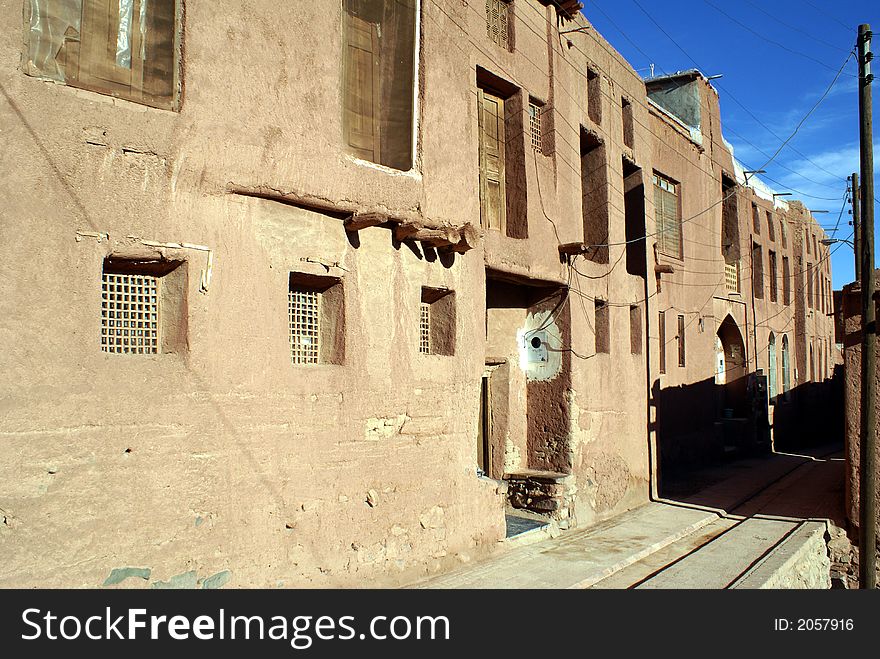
(786, 372)
(731, 362)
(771, 375)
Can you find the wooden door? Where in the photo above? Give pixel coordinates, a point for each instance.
(493, 202)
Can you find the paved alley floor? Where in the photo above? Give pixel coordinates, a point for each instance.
(714, 537)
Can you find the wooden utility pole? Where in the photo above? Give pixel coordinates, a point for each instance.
(868, 434)
(857, 223)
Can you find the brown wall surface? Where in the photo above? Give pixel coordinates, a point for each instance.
(222, 455)
(852, 368)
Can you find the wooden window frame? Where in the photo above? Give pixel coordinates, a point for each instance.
(662, 184)
(88, 58)
(492, 155)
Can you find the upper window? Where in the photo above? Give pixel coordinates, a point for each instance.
(379, 85)
(503, 137)
(594, 96)
(498, 22)
(626, 109)
(668, 215)
(124, 48)
(535, 125)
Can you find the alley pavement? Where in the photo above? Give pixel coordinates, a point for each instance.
(721, 528)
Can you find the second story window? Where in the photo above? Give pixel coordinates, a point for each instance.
(535, 125)
(498, 22)
(124, 48)
(773, 281)
(379, 80)
(667, 212)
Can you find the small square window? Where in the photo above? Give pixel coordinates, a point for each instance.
(437, 322)
(143, 307)
(130, 314)
(315, 319)
(304, 311)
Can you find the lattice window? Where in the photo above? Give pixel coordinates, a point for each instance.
(130, 314)
(731, 277)
(535, 126)
(498, 22)
(304, 312)
(425, 328)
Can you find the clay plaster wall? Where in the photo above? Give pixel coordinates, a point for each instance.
(223, 458)
(852, 368)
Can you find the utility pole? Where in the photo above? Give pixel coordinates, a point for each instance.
(857, 223)
(868, 429)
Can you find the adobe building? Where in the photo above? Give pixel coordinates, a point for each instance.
(743, 289)
(316, 296)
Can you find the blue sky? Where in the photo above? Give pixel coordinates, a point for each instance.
(777, 58)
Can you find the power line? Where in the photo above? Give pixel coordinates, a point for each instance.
(848, 28)
(571, 168)
(767, 39)
(732, 97)
(792, 27)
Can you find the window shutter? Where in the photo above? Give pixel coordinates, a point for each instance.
(99, 34)
(668, 220)
(362, 88)
(491, 127)
(159, 22)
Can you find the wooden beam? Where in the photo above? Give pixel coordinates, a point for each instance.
(468, 238)
(360, 221)
(663, 268)
(436, 237)
(405, 231)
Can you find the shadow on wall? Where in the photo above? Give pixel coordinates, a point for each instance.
(705, 423)
(812, 415)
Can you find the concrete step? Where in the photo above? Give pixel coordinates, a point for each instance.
(580, 559)
(721, 562)
(652, 564)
